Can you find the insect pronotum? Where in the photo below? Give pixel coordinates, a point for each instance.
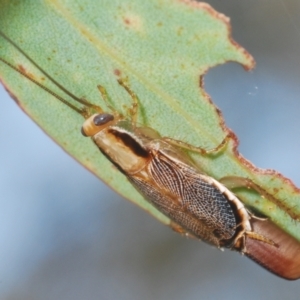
(198, 205)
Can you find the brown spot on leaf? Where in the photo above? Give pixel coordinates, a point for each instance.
(117, 72)
(23, 70)
(126, 21)
(133, 21)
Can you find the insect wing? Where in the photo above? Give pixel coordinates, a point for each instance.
(169, 205)
(184, 194)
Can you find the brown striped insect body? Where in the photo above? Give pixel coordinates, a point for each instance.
(167, 178)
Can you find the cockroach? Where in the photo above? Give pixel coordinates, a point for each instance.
(197, 204)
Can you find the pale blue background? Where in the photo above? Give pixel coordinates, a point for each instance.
(64, 235)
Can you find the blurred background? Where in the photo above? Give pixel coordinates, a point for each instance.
(65, 235)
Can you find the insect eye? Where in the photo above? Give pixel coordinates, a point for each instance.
(96, 123)
(102, 119)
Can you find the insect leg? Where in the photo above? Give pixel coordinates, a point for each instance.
(258, 237)
(135, 100)
(198, 149)
(233, 182)
(105, 96)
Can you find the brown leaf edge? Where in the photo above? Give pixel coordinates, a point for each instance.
(248, 165)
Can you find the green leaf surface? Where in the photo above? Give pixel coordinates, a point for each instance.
(164, 47)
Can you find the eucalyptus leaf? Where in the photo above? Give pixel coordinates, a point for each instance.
(164, 48)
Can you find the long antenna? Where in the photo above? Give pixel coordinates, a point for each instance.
(82, 111)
